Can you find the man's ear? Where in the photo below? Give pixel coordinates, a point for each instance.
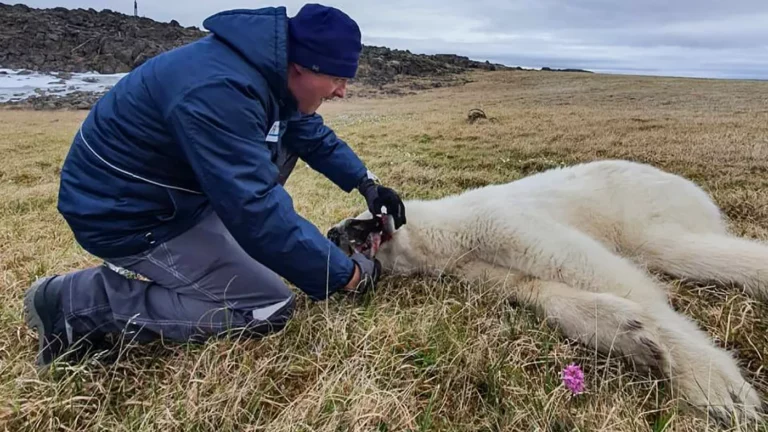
(293, 70)
(297, 68)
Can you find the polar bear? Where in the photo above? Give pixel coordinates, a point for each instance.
(576, 244)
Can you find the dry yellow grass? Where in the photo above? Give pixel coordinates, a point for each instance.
(418, 354)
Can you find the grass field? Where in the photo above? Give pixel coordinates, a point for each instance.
(420, 354)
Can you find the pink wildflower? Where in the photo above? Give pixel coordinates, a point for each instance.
(573, 378)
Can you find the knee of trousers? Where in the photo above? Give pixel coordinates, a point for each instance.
(271, 319)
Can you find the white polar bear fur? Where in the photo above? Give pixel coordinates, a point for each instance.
(575, 242)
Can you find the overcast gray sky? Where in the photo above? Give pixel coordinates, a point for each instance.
(695, 38)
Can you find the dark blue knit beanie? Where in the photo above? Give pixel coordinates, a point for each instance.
(325, 40)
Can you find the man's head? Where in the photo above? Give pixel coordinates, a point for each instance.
(324, 47)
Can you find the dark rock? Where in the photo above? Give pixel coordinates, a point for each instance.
(549, 69)
(76, 100)
(80, 40)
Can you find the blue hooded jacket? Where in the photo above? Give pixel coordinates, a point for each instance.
(208, 126)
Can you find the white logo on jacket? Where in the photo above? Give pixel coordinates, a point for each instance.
(274, 132)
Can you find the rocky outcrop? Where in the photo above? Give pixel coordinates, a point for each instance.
(549, 69)
(78, 100)
(61, 40)
(380, 65)
(82, 40)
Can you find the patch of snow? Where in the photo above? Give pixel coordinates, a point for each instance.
(20, 84)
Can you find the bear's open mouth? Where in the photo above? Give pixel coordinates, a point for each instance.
(370, 246)
(375, 238)
(361, 235)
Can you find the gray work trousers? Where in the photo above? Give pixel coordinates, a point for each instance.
(195, 286)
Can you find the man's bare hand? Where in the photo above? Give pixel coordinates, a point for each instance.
(355, 281)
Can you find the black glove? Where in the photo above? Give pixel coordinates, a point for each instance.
(370, 271)
(378, 196)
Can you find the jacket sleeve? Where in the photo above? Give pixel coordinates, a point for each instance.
(221, 128)
(326, 153)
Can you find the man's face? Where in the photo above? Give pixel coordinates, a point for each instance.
(310, 89)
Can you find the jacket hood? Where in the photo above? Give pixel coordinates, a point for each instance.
(261, 37)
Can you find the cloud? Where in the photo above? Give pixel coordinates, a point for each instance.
(702, 38)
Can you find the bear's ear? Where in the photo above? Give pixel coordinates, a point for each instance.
(335, 236)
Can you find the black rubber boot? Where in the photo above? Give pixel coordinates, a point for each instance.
(43, 313)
